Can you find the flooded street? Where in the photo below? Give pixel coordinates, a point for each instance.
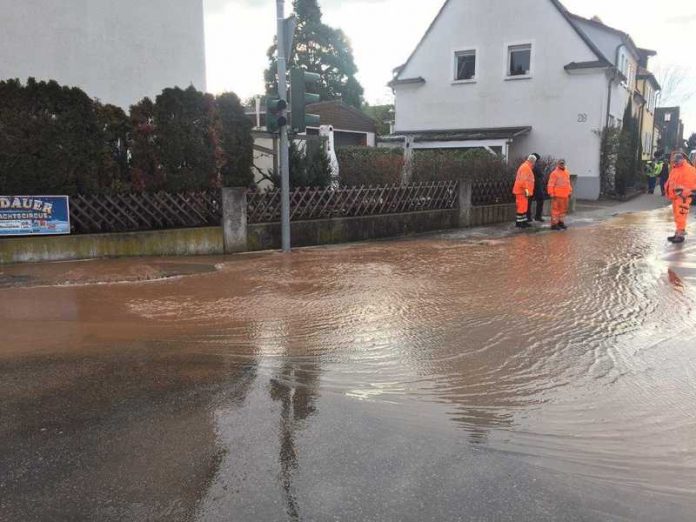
(545, 376)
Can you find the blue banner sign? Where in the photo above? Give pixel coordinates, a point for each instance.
(34, 215)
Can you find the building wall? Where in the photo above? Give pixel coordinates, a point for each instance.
(566, 112)
(118, 52)
(671, 127)
(264, 162)
(648, 122)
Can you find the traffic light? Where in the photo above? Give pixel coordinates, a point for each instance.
(275, 119)
(299, 98)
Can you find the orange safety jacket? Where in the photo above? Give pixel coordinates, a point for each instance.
(559, 184)
(684, 178)
(524, 180)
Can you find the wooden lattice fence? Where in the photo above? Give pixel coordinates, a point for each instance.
(308, 204)
(162, 210)
(144, 211)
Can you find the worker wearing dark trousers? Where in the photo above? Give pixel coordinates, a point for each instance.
(664, 174)
(539, 194)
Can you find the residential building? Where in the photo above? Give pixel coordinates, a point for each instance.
(648, 88)
(118, 52)
(352, 127)
(341, 126)
(671, 127)
(515, 78)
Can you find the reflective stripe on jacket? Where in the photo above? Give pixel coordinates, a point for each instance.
(681, 178)
(559, 184)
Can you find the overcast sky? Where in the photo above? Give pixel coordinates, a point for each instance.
(385, 32)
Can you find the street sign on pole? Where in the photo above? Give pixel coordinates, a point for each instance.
(283, 156)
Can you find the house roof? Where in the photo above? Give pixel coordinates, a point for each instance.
(598, 24)
(342, 116)
(335, 112)
(497, 133)
(664, 110)
(644, 74)
(556, 3)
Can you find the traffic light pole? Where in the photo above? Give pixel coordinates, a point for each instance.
(284, 159)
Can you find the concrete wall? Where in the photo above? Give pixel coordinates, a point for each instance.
(182, 242)
(236, 235)
(117, 51)
(344, 230)
(566, 112)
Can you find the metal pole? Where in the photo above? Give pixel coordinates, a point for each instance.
(284, 153)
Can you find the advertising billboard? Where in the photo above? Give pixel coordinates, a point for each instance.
(34, 215)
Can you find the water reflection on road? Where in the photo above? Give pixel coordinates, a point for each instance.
(572, 352)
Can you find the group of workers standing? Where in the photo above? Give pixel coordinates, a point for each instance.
(677, 182)
(529, 187)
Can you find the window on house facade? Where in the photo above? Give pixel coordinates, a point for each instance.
(465, 65)
(520, 60)
(668, 117)
(624, 67)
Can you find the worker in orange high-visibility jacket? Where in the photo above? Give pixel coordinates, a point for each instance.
(559, 189)
(680, 188)
(523, 189)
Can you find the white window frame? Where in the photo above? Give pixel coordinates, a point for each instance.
(623, 67)
(463, 50)
(506, 60)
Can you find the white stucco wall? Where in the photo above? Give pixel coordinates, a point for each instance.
(117, 51)
(566, 112)
(263, 161)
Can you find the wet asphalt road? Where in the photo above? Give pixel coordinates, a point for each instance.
(448, 377)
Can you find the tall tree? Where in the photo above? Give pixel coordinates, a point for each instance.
(628, 165)
(691, 142)
(677, 88)
(320, 49)
(382, 114)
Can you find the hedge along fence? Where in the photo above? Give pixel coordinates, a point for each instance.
(491, 176)
(184, 140)
(370, 166)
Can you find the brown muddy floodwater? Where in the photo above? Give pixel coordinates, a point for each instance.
(534, 377)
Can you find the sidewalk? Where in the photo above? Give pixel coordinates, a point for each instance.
(608, 208)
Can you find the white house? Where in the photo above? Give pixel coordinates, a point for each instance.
(517, 77)
(117, 51)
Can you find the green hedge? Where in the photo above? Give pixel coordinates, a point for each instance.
(370, 166)
(55, 139)
(453, 164)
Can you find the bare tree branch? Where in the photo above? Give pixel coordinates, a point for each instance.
(677, 87)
